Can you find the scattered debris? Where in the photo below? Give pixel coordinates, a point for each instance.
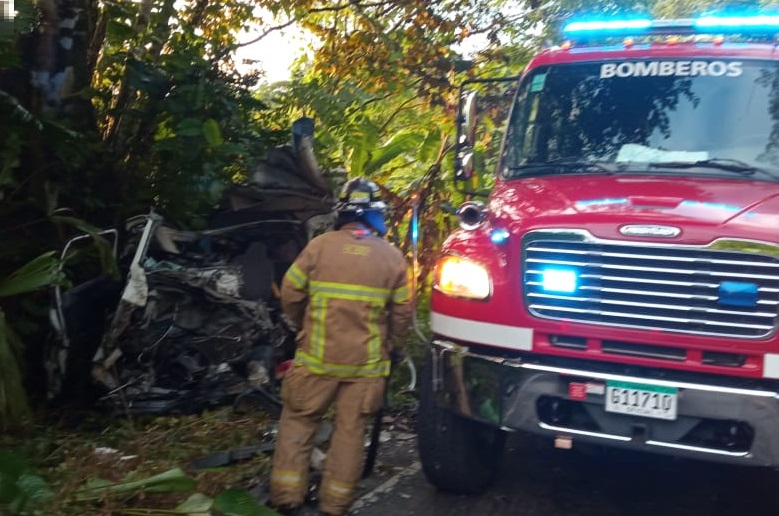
(230, 457)
(225, 458)
(102, 450)
(197, 323)
(323, 433)
(318, 459)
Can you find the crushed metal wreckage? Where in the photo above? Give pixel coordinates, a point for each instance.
(197, 323)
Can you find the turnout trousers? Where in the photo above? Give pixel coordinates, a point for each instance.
(307, 398)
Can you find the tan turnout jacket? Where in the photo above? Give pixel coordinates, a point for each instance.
(348, 292)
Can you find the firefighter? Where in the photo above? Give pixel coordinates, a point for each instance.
(348, 293)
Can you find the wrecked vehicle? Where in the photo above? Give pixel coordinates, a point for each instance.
(197, 321)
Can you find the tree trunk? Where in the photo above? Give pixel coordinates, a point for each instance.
(60, 71)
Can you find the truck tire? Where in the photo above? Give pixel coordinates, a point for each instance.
(458, 455)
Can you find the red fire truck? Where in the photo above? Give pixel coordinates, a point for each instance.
(620, 285)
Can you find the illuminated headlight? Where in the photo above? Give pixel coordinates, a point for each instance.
(562, 281)
(460, 277)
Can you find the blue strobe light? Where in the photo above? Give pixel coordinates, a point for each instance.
(563, 281)
(753, 24)
(747, 23)
(738, 293)
(606, 26)
(499, 236)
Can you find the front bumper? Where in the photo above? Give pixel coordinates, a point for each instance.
(714, 422)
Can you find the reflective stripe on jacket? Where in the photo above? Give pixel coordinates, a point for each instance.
(348, 292)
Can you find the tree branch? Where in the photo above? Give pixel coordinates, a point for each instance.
(294, 20)
(261, 36)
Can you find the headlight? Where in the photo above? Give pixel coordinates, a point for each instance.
(460, 277)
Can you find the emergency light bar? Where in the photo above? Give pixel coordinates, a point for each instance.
(757, 24)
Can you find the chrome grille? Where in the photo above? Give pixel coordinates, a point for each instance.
(666, 288)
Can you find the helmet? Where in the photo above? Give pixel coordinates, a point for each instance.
(360, 201)
(359, 195)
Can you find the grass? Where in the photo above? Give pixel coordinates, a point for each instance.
(68, 451)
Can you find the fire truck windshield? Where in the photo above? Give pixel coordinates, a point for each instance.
(668, 116)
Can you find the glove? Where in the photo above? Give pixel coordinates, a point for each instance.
(397, 355)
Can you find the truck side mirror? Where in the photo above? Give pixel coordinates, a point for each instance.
(464, 166)
(482, 110)
(466, 136)
(469, 117)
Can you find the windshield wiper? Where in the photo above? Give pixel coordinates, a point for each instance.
(564, 166)
(730, 165)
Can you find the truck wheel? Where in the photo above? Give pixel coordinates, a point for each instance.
(458, 455)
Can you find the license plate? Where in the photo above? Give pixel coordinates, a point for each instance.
(637, 399)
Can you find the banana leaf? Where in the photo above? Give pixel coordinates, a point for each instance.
(40, 272)
(234, 502)
(196, 505)
(173, 480)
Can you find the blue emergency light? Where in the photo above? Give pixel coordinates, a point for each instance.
(738, 293)
(607, 26)
(415, 227)
(499, 236)
(748, 23)
(755, 24)
(561, 281)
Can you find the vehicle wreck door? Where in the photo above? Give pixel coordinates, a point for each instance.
(79, 313)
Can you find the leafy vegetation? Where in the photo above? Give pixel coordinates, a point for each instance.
(109, 107)
(142, 466)
(39, 273)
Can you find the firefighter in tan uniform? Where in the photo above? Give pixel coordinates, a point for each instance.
(348, 292)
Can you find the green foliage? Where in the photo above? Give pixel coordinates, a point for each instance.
(145, 107)
(196, 504)
(40, 272)
(21, 490)
(171, 481)
(149, 111)
(183, 120)
(233, 502)
(156, 114)
(43, 271)
(13, 397)
(24, 22)
(403, 142)
(687, 8)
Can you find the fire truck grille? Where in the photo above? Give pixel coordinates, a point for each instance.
(678, 289)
